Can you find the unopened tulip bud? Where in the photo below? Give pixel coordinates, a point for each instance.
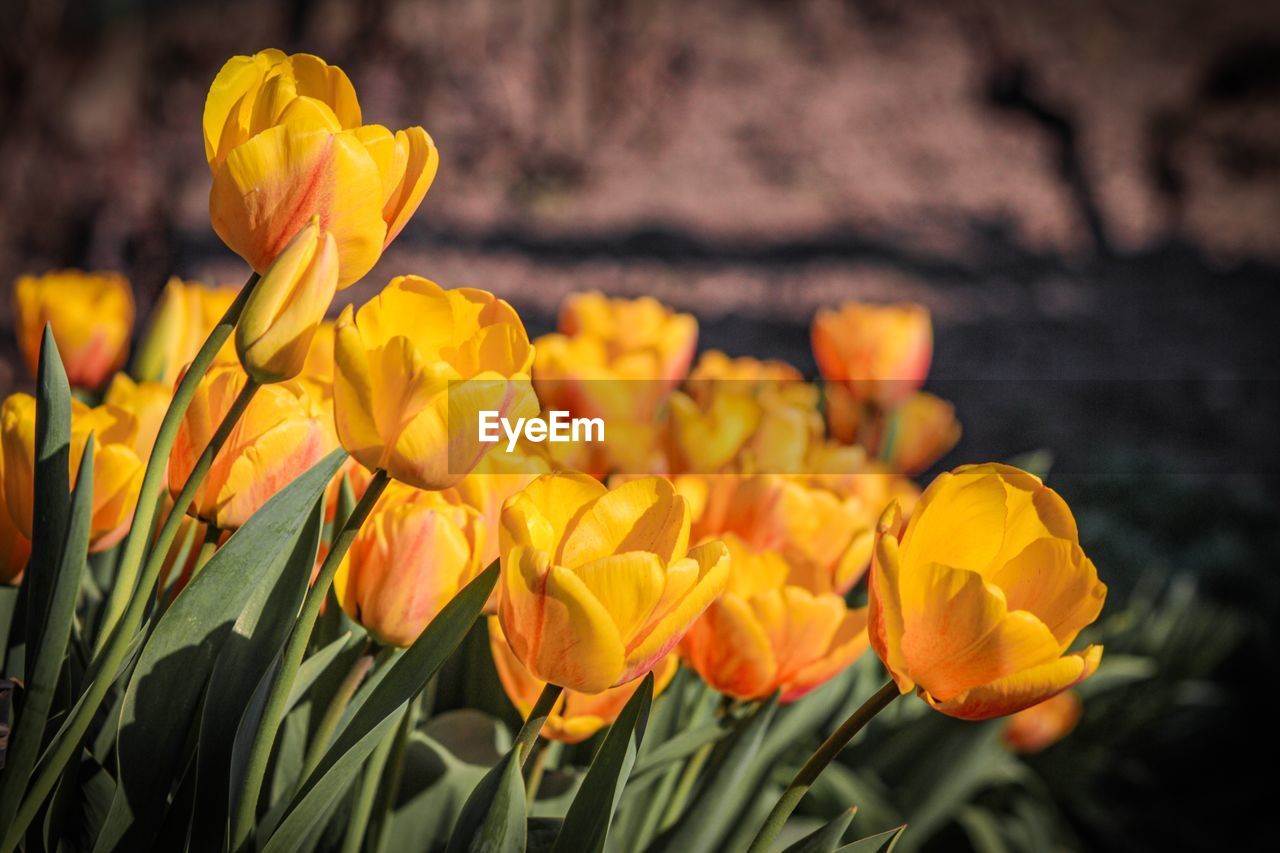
(287, 306)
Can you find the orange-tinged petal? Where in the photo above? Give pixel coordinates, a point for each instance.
(629, 585)
(958, 632)
(1053, 579)
(421, 160)
(848, 644)
(884, 607)
(730, 649)
(569, 639)
(540, 513)
(268, 188)
(958, 522)
(801, 626)
(1023, 689)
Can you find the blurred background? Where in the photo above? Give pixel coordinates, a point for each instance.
(1086, 196)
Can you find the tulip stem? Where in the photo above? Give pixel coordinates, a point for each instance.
(246, 808)
(122, 590)
(534, 722)
(341, 699)
(208, 546)
(818, 762)
(104, 666)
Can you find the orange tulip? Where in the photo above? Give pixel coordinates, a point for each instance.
(285, 143)
(278, 437)
(765, 635)
(410, 558)
(575, 716)
(597, 584)
(182, 319)
(920, 430)
(117, 466)
(975, 604)
(1044, 724)
(879, 353)
(91, 315)
(15, 548)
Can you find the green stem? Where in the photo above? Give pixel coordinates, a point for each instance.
(341, 699)
(282, 682)
(533, 724)
(153, 479)
(685, 785)
(537, 768)
(102, 670)
(207, 547)
(818, 762)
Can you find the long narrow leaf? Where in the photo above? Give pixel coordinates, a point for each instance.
(371, 721)
(165, 690)
(493, 820)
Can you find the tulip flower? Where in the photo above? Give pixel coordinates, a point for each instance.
(281, 316)
(575, 716)
(497, 477)
(975, 604)
(117, 466)
(91, 315)
(414, 366)
(920, 430)
(15, 548)
(182, 319)
(411, 557)
(1044, 724)
(765, 635)
(146, 401)
(599, 584)
(277, 438)
(285, 143)
(879, 353)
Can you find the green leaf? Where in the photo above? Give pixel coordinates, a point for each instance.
(723, 791)
(168, 683)
(433, 790)
(11, 599)
(679, 747)
(884, 842)
(48, 656)
(825, 838)
(380, 711)
(586, 826)
(493, 820)
(256, 639)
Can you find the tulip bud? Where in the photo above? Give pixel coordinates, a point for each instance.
(117, 466)
(180, 322)
(597, 584)
(410, 558)
(879, 353)
(282, 314)
(279, 436)
(575, 716)
(91, 315)
(919, 431)
(975, 604)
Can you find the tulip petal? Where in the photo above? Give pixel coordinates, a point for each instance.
(674, 616)
(1053, 579)
(353, 394)
(884, 613)
(730, 649)
(642, 515)
(958, 632)
(801, 626)
(570, 639)
(539, 514)
(1021, 690)
(961, 534)
(629, 585)
(848, 644)
(421, 160)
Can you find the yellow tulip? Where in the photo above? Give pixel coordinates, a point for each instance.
(1044, 724)
(599, 584)
(411, 557)
(117, 466)
(183, 317)
(146, 401)
(497, 477)
(285, 143)
(879, 353)
(284, 311)
(414, 366)
(575, 716)
(765, 635)
(91, 315)
(920, 430)
(614, 358)
(15, 548)
(975, 604)
(277, 438)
